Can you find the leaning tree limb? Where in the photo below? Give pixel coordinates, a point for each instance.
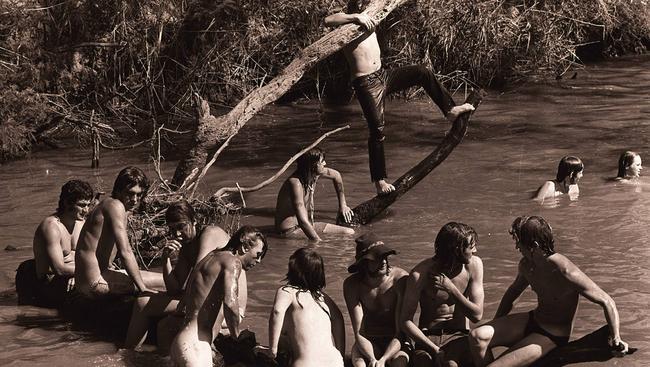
(212, 131)
(225, 190)
(364, 212)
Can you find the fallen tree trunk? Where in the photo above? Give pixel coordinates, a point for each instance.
(364, 212)
(212, 131)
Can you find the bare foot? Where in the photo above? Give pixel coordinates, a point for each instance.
(383, 187)
(459, 110)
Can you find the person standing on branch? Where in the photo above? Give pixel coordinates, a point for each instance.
(373, 84)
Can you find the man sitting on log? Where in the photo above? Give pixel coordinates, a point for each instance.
(54, 246)
(373, 294)
(294, 211)
(373, 84)
(188, 245)
(449, 289)
(105, 230)
(558, 284)
(212, 296)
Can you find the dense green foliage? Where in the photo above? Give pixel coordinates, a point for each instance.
(134, 61)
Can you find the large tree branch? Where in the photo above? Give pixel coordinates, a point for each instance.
(364, 212)
(212, 131)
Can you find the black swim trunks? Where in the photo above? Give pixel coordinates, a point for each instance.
(49, 291)
(533, 327)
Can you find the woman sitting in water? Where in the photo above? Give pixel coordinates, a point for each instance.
(629, 166)
(569, 172)
(308, 317)
(294, 211)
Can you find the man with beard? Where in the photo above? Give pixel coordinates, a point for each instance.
(105, 232)
(55, 241)
(449, 289)
(213, 284)
(373, 294)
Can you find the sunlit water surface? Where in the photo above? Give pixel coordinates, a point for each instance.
(513, 145)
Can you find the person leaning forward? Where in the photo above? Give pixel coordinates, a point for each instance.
(373, 84)
(373, 295)
(449, 289)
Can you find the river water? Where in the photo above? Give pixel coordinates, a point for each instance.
(513, 145)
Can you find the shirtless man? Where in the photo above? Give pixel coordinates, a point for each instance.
(449, 288)
(294, 211)
(373, 84)
(306, 315)
(558, 284)
(569, 172)
(212, 284)
(190, 245)
(55, 241)
(105, 230)
(373, 294)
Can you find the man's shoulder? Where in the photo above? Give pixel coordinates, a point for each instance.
(49, 226)
(424, 266)
(475, 264)
(215, 233)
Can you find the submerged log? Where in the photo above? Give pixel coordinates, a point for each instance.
(366, 211)
(212, 131)
(590, 348)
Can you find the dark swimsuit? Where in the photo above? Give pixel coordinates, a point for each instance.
(533, 327)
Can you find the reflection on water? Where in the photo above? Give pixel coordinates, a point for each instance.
(512, 147)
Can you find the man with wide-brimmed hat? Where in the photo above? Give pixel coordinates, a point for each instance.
(449, 289)
(373, 295)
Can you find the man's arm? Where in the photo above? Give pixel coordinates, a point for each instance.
(231, 297)
(414, 286)
(175, 277)
(281, 303)
(52, 239)
(472, 305)
(298, 201)
(341, 18)
(513, 292)
(116, 215)
(338, 326)
(337, 180)
(353, 303)
(590, 290)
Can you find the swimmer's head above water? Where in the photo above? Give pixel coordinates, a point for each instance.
(629, 165)
(570, 167)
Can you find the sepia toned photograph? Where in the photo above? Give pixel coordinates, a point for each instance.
(327, 183)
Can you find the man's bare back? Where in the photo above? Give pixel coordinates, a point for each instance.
(308, 326)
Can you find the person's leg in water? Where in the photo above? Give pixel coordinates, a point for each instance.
(145, 310)
(329, 228)
(419, 75)
(370, 93)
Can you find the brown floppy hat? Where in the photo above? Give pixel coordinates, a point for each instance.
(371, 248)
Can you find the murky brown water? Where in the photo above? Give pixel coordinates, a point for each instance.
(513, 145)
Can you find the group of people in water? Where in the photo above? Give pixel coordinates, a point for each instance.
(202, 286)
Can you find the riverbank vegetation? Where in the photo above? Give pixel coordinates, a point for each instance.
(74, 69)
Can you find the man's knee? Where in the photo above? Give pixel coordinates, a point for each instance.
(481, 336)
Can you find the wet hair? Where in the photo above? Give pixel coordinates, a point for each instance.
(73, 191)
(624, 162)
(307, 273)
(569, 166)
(244, 239)
(537, 233)
(306, 165)
(452, 239)
(180, 211)
(515, 229)
(130, 177)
